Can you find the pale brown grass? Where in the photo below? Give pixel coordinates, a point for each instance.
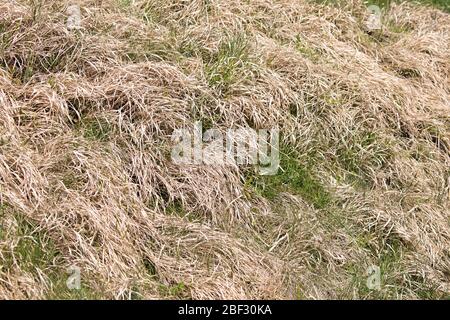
(85, 123)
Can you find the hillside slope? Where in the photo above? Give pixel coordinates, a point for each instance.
(87, 181)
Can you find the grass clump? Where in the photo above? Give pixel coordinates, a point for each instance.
(361, 154)
(151, 13)
(228, 65)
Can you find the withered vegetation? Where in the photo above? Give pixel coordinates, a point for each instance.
(85, 172)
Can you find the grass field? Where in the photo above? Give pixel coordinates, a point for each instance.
(87, 181)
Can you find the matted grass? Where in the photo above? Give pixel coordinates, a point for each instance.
(86, 118)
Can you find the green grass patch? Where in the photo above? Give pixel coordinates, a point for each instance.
(306, 50)
(3, 208)
(293, 177)
(23, 68)
(388, 259)
(229, 63)
(385, 4)
(440, 4)
(178, 291)
(60, 291)
(176, 208)
(444, 5)
(395, 281)
(124, 4)
(95, 129)
(34, 250)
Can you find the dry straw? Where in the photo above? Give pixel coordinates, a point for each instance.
(86, 178)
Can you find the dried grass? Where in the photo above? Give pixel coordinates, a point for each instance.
(85, 123)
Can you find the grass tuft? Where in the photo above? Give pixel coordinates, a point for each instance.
(227, 66)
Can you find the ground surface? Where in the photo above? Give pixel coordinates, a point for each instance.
(86, 178)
